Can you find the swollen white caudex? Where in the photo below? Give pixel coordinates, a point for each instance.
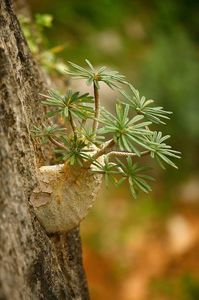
(64, 196)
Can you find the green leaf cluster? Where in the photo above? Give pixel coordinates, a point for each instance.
(129, 133)
(76, 152)
(161, 151)
(143, 106)
(44, 132)
(135, 176)
(111, 78)
(128, 171)
(108, 169)
(34, 32)
(71, 103)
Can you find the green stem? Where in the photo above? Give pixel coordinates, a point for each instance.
(83, 123)
(72, 123)
(97, 107)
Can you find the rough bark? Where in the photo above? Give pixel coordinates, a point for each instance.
(33, 265)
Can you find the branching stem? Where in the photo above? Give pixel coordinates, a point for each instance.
(97, 107)
(58, 144)
(105, 149)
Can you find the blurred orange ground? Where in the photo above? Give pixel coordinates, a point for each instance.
(161, 262)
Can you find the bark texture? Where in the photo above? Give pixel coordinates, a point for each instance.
(33, 265)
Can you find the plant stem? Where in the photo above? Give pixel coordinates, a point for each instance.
(72, 123)
(97, 107)
(105, 149)
(83, 123)
(58, 144)
(126, 154)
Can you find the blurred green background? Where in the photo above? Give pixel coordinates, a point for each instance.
(146, 249)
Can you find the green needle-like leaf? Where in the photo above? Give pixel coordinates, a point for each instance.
(76, 153)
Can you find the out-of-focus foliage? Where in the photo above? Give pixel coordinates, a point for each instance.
(171, 72)
(38, 43)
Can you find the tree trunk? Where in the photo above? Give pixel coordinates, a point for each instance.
(33, 265)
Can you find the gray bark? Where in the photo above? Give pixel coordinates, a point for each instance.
(33, 265)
